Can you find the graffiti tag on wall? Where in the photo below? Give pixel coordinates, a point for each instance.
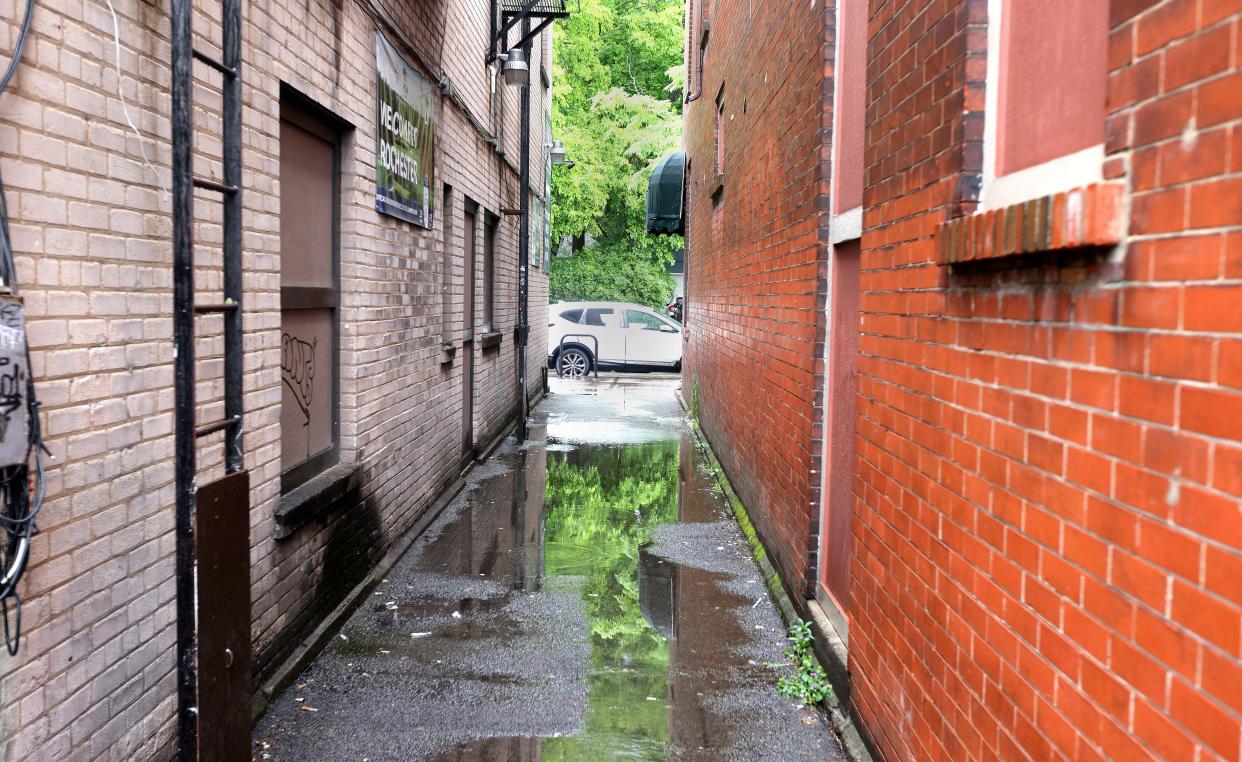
(297, 370)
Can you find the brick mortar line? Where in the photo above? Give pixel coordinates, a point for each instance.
(1066, 403)
(997, 618)
(1027, 572)
(1041, 361)
(992, 549)
(1107, 498)
(1193, 383)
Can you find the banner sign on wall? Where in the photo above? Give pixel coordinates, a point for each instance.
(404, 138)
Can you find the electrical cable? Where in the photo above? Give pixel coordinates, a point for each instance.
(21, 491)
(120, 91)
(19, 48)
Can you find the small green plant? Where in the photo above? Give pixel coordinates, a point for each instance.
(808, 683)
(694, 399)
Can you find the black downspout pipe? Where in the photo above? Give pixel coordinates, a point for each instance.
(234, 339)
(523, 327)
(183, 375)
(491, 54)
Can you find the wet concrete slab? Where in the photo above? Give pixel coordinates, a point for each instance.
(587, 597)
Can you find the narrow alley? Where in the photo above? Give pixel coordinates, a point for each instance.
(587, 596)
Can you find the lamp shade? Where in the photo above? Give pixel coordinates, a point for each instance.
(516, 70)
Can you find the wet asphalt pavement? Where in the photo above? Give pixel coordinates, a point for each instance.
(588, 596)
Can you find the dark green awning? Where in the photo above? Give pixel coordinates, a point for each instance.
(666, 196)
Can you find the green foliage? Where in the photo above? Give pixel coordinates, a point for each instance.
(808, 683)
(600, 273)
(617, 106)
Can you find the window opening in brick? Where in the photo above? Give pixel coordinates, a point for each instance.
(1045, 102)
(720, 133)
(446, 274)
(468, 253)
(309, 294)
(489, 272)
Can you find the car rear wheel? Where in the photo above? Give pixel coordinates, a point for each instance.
(573, 363)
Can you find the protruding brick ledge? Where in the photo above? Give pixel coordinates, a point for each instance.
(1090, 216)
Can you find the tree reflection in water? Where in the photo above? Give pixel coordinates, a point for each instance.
(603, 502)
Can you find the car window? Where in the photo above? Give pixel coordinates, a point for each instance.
(648, 321)
(572, 316)
(600, 316)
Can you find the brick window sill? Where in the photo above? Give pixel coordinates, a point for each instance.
(323, 494)
(491, 339)
(1093, 216)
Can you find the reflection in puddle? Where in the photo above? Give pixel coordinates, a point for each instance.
(588, 596)
(603, 504)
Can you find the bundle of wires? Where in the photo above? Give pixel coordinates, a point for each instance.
(21, 486)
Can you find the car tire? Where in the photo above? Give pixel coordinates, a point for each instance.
(574, 362)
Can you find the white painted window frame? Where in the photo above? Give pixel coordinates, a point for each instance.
(1063, 173)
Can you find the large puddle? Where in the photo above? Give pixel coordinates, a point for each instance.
(584, 600)
(602, 504)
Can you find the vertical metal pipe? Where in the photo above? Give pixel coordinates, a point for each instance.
(524, 246)
(183, 374)
(492, 6)
(233, 457)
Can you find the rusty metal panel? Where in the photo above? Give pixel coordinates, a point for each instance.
(222, 535)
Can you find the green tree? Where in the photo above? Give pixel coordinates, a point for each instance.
(617, 107)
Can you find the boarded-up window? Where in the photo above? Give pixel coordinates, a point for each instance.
(720, 152)
(489, 272)
(468, 220)
(1047, 76)
(308, 296)
(850, 105)
(1054, 69)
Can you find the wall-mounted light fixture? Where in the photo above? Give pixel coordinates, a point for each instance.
(515, 69)
(556, 150)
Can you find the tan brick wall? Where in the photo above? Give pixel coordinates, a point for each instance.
(95, 675)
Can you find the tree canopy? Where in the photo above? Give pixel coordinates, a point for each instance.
(616, 104)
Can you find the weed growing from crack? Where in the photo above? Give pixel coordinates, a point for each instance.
(808, 683)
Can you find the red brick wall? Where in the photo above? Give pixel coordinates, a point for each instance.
(1047, 521)
(755, 279)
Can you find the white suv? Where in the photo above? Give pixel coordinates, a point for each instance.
(612, 334)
